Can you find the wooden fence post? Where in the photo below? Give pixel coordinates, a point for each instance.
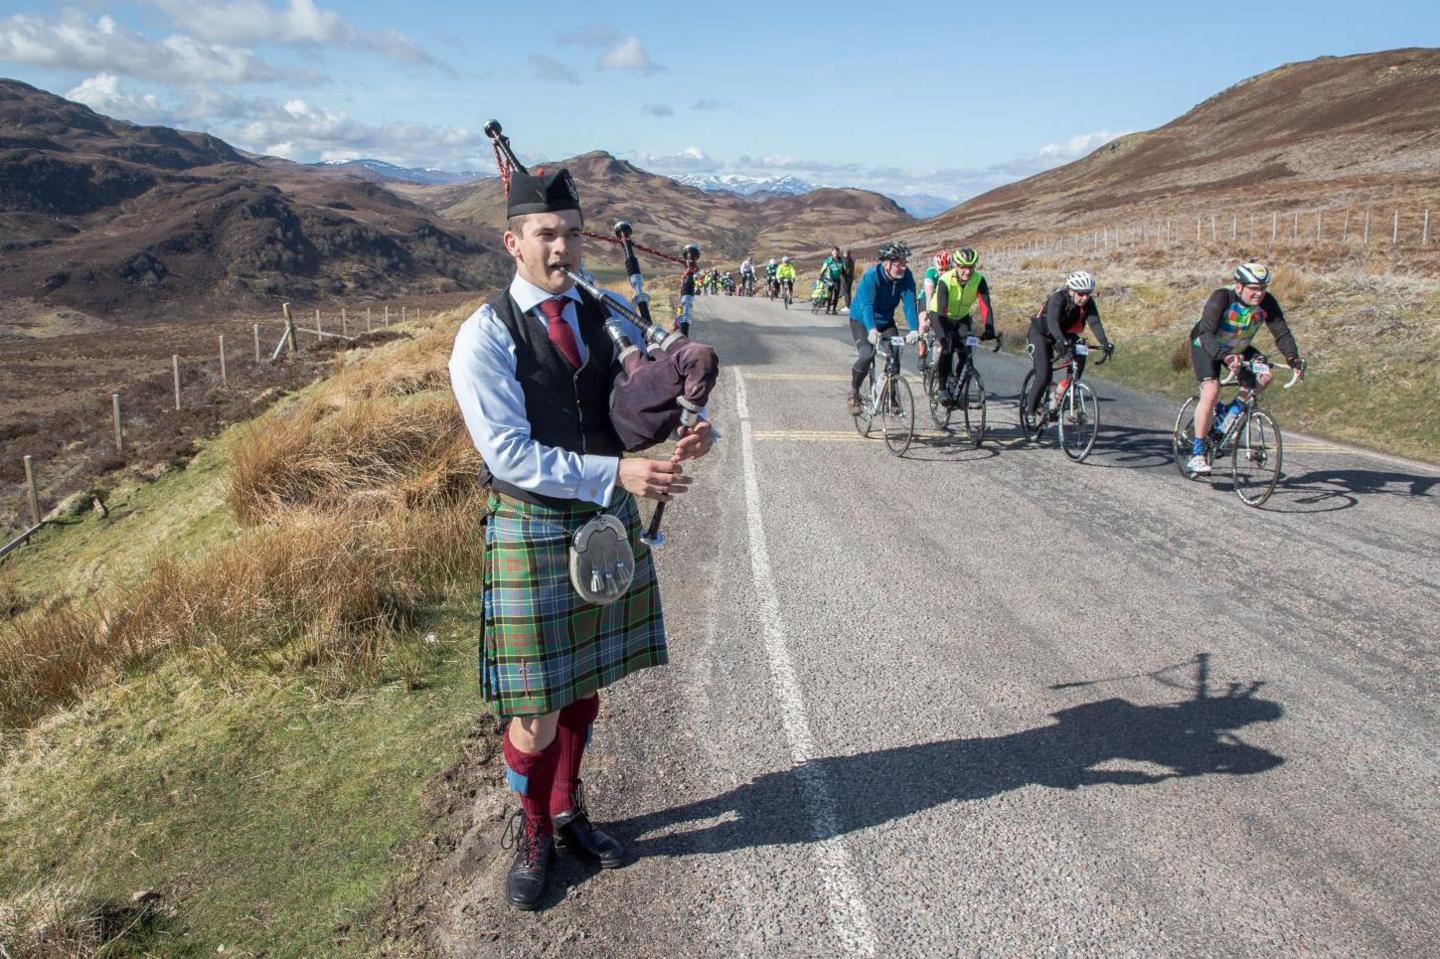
(1234, 226)
(1213, 237)
(1252, 227)
(1425, 230)
(1395, 230)
(224, 377)
(1197, 229)
(1345, 230)
(1319, 225)
(319, 330)
(402, 314)
(290, 337)
(1274, 225)
(30, 485)
(119, 433)
(1296, 231)
(1367, 227)
(257, 342)
(387, 314)
(344, 324)
(175, 366)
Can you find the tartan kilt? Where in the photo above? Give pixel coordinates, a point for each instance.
(542, 647)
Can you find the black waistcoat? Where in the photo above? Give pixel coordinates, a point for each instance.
(567, 408)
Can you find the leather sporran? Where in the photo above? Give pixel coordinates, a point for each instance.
(602, 562)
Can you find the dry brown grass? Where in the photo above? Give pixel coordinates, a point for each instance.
(366, 503)
(57, 922)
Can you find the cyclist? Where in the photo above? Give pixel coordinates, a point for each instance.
(1229, 321)
(957, 291)
(691, 255)
(872, 313)
(1054, 330)
(747, 277)
(832, 274)
(771, 283)
(786, 275)
(939, 263)
(727, 283)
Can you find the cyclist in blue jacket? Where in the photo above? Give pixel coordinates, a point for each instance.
(881, 289)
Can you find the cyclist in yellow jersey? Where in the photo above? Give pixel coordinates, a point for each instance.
(958, 290)
(785, 273)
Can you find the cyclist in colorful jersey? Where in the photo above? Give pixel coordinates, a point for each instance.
(1231, 318)
(939, 263)
(832, 274)
(786, 275)
(957, 291)
(1054, 330)
(872, 312)
(771, 283)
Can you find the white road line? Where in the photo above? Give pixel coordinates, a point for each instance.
(848, 913)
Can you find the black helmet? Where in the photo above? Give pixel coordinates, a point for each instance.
(894, 250)
(690, 252)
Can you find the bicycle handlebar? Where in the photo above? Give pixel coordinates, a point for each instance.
(1230, 376)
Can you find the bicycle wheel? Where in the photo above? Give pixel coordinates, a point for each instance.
(867, 407)
(972, 406)
(897, 417)
(1183, 436)
(1030, 425)
(1079, 422)
(1255, 464)
(932, 389)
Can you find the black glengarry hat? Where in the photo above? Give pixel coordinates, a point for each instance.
(541, 192)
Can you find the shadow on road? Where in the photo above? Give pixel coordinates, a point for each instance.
(1191, 737)
(1131, 447)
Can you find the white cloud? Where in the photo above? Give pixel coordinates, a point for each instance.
(294, 128)
(658, 109)
(76, 42)
(548, 68)
(956, 184)
(102, 94)
(297, 23)
(628, 54)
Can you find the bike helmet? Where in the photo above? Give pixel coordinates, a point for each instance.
(965, 256)
(784, 259)
(690, 252)
(1081, 282)
(1252, 274)
(894, 250)
(943, 260)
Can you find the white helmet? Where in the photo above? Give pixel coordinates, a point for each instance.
(1081, 282)
(784, 259)
(1252, 274)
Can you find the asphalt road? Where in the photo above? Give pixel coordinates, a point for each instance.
(994, 703)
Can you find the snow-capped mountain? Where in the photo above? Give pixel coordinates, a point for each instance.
(742, 185)
(389, 171)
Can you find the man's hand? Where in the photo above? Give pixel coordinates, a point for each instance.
(1298, 365)
(1233, 361)
(925, 321)
(653, 479)
(695, 442)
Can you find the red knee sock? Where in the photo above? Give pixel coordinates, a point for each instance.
(571, 735)
(532, 775)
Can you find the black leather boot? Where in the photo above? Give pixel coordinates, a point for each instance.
(525, 882)
(575, 834)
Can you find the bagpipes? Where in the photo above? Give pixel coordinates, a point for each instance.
(665, 382)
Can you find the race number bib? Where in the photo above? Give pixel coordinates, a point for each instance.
(1260, 369)
(1081, 349)
(972, 341)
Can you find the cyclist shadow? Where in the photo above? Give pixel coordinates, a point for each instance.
(1131, 447)
(1109, 741)
(1330, 490)
(939, 446)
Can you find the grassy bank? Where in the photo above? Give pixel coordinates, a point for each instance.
(222, 705)
(1370, 342)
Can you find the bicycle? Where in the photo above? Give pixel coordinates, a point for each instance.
(889, 397)
(747, 285)
(964, 385)
(1075, 410)
(787, 292)
(1251, 436)
(819, 297)
(773, 288)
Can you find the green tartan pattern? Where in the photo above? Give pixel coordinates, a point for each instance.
(542, 647)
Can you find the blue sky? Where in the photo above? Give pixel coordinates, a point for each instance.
(944, 99)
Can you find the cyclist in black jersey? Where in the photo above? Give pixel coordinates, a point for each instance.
(1054, 330)
(1221, 337)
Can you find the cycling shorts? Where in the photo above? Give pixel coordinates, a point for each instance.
(1208, 369)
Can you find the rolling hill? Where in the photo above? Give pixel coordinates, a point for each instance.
(107, 217)
(1331, 132)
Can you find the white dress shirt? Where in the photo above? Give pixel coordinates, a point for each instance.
(482, 374)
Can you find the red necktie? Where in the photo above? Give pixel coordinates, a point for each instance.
(559, 331)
